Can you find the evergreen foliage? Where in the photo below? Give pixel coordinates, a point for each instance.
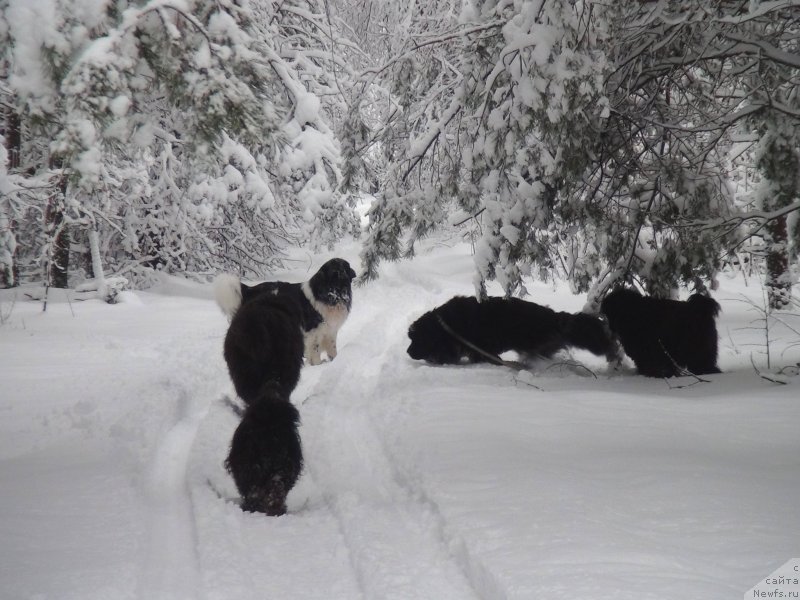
(594, 142)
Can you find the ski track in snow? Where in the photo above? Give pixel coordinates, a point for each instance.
(170, 569)
(244, 556)
(480, 577)
(397, 538)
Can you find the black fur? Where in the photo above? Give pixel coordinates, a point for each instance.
(498, 325)
(264, 352)
(266, 457)
(293, 291)
(264, 346)
(665, 338)
(331, 285)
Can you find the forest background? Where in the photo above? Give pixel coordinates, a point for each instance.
(654, 142)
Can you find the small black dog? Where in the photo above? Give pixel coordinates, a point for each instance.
(264, 352)
(324, 302)
(665, 338)
(266, 457)
(497, 325)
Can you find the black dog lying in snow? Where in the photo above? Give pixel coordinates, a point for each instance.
(498, 325)
(665, 338)
(264, 352)
(324, 302)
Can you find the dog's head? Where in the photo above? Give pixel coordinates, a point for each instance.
(332, 283)
(430, 342)
(619, 303)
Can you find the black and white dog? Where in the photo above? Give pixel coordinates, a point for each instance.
(665, 338)
(324, 302)
(498, 325)
(264, 352)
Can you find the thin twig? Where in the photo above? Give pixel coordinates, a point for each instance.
(470, 217)
(764, 377)
(680, 387)
(574, 364)
(681, 371)
(69, 301)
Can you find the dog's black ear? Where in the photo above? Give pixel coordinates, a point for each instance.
(350, 272)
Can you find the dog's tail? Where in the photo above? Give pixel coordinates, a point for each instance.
(705, 305)
(585, 331)
(266, 457)
(228, 293)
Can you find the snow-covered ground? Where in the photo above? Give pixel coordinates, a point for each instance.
(421, 482)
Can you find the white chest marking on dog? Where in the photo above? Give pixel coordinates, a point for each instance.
(333, 316)
(323, 337)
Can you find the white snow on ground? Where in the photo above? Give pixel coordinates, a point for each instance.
(421, 482)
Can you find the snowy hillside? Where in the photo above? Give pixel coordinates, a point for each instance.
(421, 482)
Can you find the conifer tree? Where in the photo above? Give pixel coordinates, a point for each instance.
(190, 136)
(594, 141)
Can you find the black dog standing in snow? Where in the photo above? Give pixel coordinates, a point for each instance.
(324, 302)
(264, 352)
(498, 325)
(665, 338)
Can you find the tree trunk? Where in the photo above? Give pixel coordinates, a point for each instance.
(9, 270)
(97, 262)
(58, 235)
(8, 275)
(779, 281)
(13, 135)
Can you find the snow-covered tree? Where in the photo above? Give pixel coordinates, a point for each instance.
(594, 140)
(414, 99)
(506, 129)
(191, 135)
(779, 160)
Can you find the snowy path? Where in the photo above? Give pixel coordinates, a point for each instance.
(394, 540)
(243, 556)
(352, 521)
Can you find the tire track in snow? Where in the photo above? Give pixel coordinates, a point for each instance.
(170, 566)
(395, 541)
